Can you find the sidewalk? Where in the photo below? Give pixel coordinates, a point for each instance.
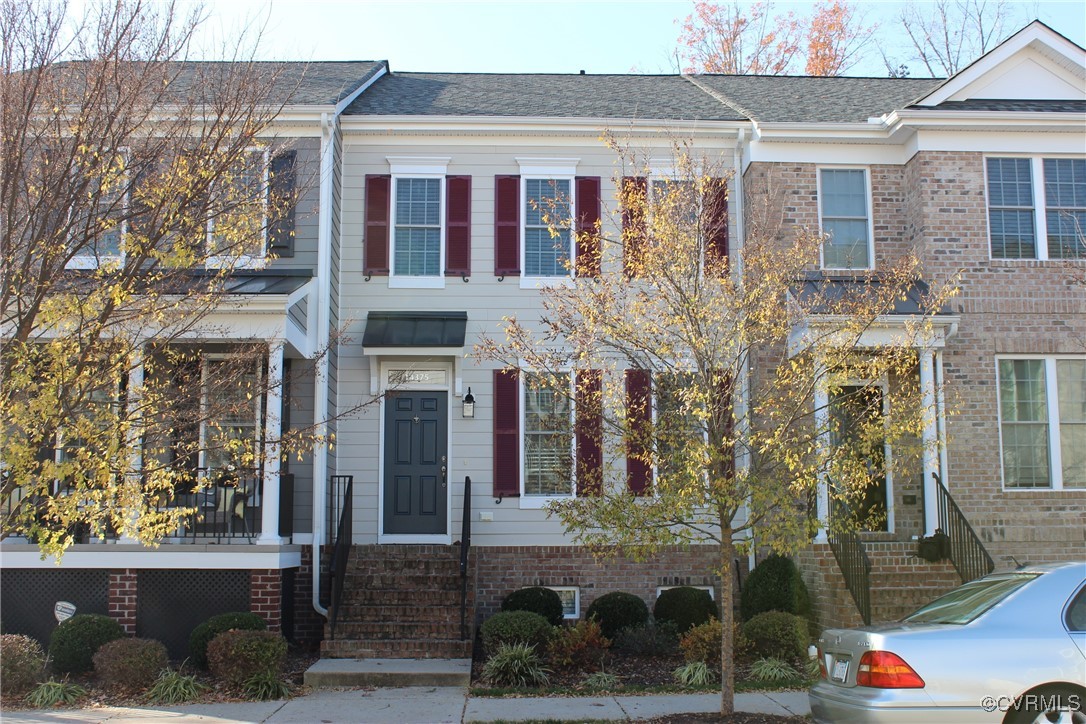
(422, 705)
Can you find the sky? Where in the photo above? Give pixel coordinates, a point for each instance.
(511, 36)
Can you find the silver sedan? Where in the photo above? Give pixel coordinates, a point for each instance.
(1009, 647)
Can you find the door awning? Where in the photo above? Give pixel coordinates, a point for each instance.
(415, 329)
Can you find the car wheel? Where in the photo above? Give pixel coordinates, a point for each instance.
(1049, 705)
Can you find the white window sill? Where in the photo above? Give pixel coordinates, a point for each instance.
(537, 502)
(544, 282)
(406, 282)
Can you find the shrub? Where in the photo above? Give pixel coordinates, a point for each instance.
(536, 599)
(74, 642)
(601, 681)
(769, 669)
(582, 646)
(130, 663)
(702, 643)
(649, 639)
(266, 685)
(774, 585)
(516, 627)
(51, 693)
(695, 673)
(685, 607)
(777, 634)
(618, 610)
(202, 635)
(236, 656)
(21, 664)
(516, 665)
(173, 687)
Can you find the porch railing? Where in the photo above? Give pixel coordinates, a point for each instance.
(341, 547)
(465, 549)
(848, 549)
(967, 551)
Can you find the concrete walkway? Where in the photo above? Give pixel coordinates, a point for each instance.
(421, 705)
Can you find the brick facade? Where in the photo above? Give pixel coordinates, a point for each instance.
(266, 596)
(122, 598)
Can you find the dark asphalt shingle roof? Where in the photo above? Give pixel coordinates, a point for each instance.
(415, 329)
(540, 95)
(800, 99)
(820, 293)
(1004, 104)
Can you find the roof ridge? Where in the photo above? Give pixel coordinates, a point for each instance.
(719, 97)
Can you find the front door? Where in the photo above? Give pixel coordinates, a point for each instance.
(416, 463)
(853, 406)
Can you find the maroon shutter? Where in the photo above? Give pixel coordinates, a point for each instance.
(716, 223)
(507, 226)
(458, 225)
(506, 433)
(635, 199)
(589, 431)
(588, 217)
(639, 418)
(378, 198)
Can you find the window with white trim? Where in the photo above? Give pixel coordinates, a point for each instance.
(417, 231)
(1042, 413)
(1036, 207)
(238, 235)
(547, 436)
(845, 218)
(230, 425)
(570, 596)
(547, 235)
(106, 226)
(677, 423)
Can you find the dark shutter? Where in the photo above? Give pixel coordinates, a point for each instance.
(506, 433)
(378, 198)
(715, 220)
(588, 217)
(639, 419)
(458, 225)
(635, 199)
(281, 188)
(507, 226)
(589, 431)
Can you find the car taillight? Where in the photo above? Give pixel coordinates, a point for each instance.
(822, 664)
(884, 670)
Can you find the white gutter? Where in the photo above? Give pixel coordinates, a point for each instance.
(744, 370)
(320, 382)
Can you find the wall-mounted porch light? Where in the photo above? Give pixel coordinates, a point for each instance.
(469, 404)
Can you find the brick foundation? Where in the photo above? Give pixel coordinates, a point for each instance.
(122, 598)
(266, 596)
(308, 624)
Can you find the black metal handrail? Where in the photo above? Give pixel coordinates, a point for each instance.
(341, 549)
(465, 548)
(967, 551)
(848, 549)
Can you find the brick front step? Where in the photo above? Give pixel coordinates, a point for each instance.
(402, 614)
(395, 649)
(398, 630)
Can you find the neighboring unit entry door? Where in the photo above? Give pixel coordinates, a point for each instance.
(416, 463)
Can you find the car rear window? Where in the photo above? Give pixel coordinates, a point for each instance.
(966, 603)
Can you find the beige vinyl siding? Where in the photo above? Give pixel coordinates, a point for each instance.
(307, 211)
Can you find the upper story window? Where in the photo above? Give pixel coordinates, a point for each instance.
(1020, 187)
(101, 233)
(548, 437)
(845, 217)
(547, 231)
(1042, 411)
(238, 234)
(417, 229)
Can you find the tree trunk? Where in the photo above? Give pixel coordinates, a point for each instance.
(727, 617)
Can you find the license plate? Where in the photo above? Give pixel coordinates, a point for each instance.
(840, 670)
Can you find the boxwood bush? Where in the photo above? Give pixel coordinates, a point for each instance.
(203, 634)
(778, 634)
(236, 656)
(618, 610)
(22, 662)
(130, 663)
(516, 627)
(685, 607)
(74, 642)
(774, 585)
(536, 599)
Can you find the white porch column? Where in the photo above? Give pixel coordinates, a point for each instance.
(822, 426)
(929, 438)
(273, 429)
(133, 494)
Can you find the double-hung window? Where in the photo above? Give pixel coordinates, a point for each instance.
(100, 235)
(417, 231)
(237, 231)
(677, 426)
(1042, 412)
(845, 217)
(230, 427)
(1036, 207)
(547, 232)
(548, 436)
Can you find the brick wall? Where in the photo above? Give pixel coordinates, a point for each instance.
(266, 596)
(122, 598)
(308, 624)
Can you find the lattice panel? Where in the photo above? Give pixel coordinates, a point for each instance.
(172, 603)
(29, 595)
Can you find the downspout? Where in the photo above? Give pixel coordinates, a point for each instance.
(320, 382)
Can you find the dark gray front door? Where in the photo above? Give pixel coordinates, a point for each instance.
(416, 462)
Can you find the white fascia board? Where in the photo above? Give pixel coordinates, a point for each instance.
(1021, 141)
(413, 351)
(886, 331)
(826, 152)
(986, 121)
(499, 124)
(174, 557)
